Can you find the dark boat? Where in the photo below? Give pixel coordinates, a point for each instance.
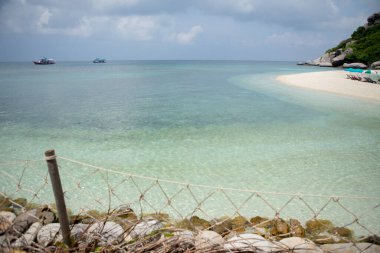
(98, 60)
(44, 61)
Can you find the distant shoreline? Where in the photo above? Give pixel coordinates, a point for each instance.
(333, 82)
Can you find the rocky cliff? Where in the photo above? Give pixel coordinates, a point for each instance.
(361, 50)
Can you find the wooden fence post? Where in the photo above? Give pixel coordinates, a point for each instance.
(58, 195)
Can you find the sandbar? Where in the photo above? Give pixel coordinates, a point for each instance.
(333, 82)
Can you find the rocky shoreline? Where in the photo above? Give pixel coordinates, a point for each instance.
(342, 55)
(27, 227)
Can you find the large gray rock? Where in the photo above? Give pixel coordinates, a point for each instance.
(23, 221)
(29, 236)
(5, 246)
(375, 65)
(208, 239)
(48, 234)
(78, 231)
(299, 245)
(250, 242)
(348, 50)
(324, 59)
(107, 233)
(338, 60)
(373, 19)
(351, 248)
(185, 234)
(145, 228)
(6, 220)
(325, 64)
(356, 65)
(47, 217)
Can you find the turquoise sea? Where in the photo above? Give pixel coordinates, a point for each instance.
(217, 123)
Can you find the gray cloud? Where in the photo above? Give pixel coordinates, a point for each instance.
(244, 28)
(297, 14)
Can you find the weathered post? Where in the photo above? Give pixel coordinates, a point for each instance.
(58, 195)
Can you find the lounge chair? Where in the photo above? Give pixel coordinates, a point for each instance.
(369, 80)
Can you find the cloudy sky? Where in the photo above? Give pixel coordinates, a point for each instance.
(177, 29)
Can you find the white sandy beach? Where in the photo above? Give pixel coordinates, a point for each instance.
(333, 82)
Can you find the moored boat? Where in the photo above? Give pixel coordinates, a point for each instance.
(44, 61)
(98, 60)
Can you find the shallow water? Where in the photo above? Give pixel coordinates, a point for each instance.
(218, 123)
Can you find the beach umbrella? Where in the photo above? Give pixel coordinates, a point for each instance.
(354, 70)
(368, 71)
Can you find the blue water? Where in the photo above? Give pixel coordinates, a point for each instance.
(219, 123)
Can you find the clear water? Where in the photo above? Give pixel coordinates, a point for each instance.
(219, 123)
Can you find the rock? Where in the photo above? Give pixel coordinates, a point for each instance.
(239, 223)
(87, 217)
(108, 232)
(199, 223)
(23, 221)
(325, 64)
(96, 215)
(29, 236)
(260, 231)
(324, 59)
(316, 226)
(375, 65)
(4, 244)
(349, 50)
(337, 52)
(145, 228)
(185, 241)
(47, 217)
(258, 221)
(299, 245)
(19, 203)
(372, 239)
(185, 224)
(338, 60)
(341, 231)
(208, 240)
(222, 226)
(327, 57)
(351, 248)
(84, 219)
(373, 18)
(6, 220)
(156, 216)
(250, 242)
(78, 232)
(311, 63)
(126, 224)
(48, 234)
(126, 212)
(296, 228)
(185, 235)
(4, 203)
(279, 227)
(357, 65)
(325, 238)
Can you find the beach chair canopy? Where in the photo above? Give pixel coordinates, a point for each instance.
(354, 70)
(368, 71)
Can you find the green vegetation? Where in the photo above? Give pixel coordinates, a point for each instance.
(340, 45)
(365, 45)
(366, 48)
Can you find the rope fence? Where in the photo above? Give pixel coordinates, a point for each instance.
(98, 194)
